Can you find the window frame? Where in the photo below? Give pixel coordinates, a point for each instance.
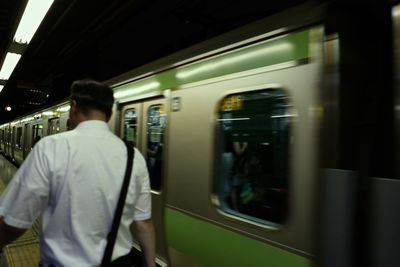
(217, 154)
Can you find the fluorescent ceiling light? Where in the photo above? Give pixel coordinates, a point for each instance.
(9, 64)
(47, 113)
(136, 90)
(33, 15)
(1, 88)
(240, 58)
(64, 108)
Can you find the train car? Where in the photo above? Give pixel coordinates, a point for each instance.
(261, 94)
(19, 136)
(236, 131)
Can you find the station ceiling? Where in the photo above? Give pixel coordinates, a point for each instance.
(100, 39)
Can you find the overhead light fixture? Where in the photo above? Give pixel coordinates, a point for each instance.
(396, 12)
(136, 89)
(33, 15)
(1, 88)
(9, 64)
(242, 57)
(8, 108)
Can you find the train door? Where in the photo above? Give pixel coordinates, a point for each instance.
(384, 191)
(144, 124)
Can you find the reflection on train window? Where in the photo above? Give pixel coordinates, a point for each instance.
(54, 126)
(253, 155)
(156, 122)
(37, 133)
(130, 126)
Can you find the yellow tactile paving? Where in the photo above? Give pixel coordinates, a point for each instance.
(23, 254)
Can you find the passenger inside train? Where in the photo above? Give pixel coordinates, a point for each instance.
(256, 129)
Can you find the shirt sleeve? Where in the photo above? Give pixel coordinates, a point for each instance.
(27, 193)
(142, 209)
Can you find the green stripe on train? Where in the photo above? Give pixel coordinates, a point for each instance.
(214, 246)
(287, 48)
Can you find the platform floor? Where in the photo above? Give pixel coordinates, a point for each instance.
(23, 252)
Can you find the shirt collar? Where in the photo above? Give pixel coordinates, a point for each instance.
(93, 125)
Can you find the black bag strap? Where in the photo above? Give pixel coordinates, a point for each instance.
(112, 235)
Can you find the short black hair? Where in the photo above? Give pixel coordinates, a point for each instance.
(90, 94)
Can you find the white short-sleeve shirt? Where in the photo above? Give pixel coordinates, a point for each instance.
(74, 179)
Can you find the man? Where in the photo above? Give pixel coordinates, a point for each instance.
(74, 178)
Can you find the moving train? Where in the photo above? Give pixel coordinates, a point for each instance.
(253, 141)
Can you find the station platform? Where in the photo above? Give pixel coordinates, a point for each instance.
(23, 252)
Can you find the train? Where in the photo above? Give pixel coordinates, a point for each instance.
(254, 143)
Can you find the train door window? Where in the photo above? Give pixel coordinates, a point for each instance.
(156, 122)
(13, 136)
(9, 141)
(25, 142)
(8, 136)
(37, 133)
(54, 126)
(253, 140)
(18, 141)
(130, 126)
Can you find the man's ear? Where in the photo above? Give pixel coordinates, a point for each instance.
(74, 106)
(73, 103)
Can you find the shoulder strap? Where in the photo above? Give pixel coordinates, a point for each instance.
(112, 235)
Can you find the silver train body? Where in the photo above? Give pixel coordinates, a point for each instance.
(271, 95)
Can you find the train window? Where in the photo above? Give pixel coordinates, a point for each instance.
(8, 135)
(253, 155)
(54, 126)
(37, 133)
(13, 136)
(18, 141)
(130, 126)
(156, 122)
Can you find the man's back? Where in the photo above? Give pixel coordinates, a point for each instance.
(85, 168)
